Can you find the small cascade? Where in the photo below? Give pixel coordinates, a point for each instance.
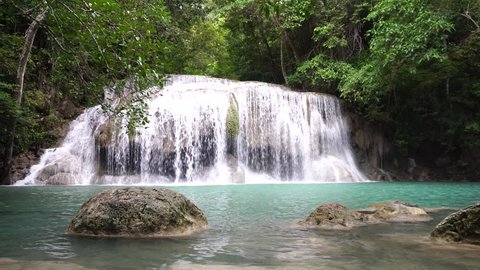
(208, 130)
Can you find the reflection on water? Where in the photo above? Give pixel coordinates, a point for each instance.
(251, 227)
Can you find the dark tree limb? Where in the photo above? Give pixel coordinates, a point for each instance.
(468, 15)
(22, 67)
(282, 64)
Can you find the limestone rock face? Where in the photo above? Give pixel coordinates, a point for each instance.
(337, 216)
(104, 134)
(61, 172)
(461, 226)
(137, 212)
(21, 165)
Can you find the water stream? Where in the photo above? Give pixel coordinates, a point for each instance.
(209, 130)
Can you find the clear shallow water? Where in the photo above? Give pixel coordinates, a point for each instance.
(251, 226)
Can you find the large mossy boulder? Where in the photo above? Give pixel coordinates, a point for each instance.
(137, 212)
(337, 216)
(461, 226)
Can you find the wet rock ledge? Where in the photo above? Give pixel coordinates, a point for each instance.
(462, 226)
(337, 216)
(137, 212)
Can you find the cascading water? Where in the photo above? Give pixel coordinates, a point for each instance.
(208, 130)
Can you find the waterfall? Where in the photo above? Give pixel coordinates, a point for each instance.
(208, 130)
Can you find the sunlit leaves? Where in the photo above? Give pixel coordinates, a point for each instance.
(294, 12)
(325, 34)
(206, 50)
(407, 31)
(405, 35)
(113, 43)
(322, 72)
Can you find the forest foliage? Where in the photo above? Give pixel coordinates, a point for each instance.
(411, 66)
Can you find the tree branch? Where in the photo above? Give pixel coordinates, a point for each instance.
(22, 67)
(89, 31)
(27, 48)
(469, 17)
(49, 30)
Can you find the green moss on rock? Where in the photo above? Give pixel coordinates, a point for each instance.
(461, 226)
(233, 121)
(137, 212)
(337, 216)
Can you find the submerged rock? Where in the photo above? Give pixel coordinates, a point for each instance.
(461, 226)
(10, 264)
(235, 171)
(138, 212)
(61, 179)
(400, 212)
(337, 216)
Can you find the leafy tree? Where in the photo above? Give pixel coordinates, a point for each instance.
(206, 50)
(89, 45)
(406, 34)
(410, 65)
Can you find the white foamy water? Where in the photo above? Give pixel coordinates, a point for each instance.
(207, 130)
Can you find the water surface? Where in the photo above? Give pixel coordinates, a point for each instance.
(251, 226)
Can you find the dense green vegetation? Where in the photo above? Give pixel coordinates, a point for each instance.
(80, 48)
(411, 66)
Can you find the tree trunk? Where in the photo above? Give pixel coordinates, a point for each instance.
(288, 41)
(22, 67)
(292, 47)
(282, 64)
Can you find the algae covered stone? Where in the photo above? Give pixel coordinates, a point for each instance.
(461, 226)
(337, 216)
(329, 215)
(233, 120)
(138, 212)
(400, 212)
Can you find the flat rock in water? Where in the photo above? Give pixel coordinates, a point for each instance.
(137, 212)
(332, 215)
(400, 212)
(337, 216)
(461, 226)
